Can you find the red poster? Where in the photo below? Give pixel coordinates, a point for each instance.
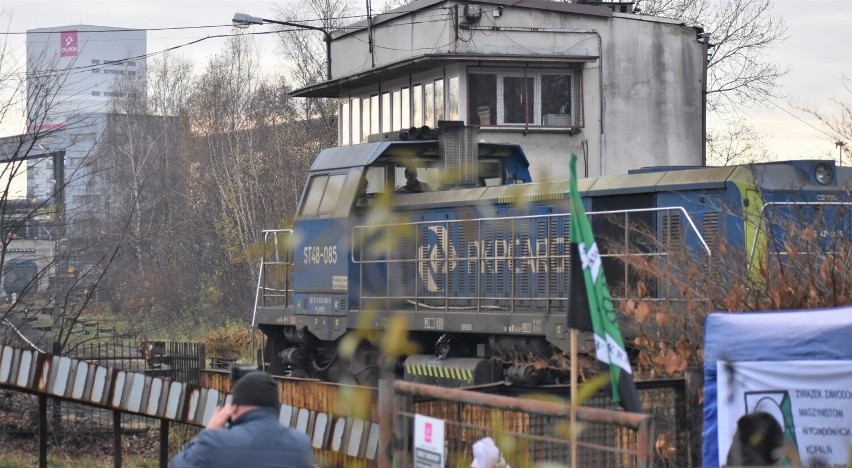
(68, 44)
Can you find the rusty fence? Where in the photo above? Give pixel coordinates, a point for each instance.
(344, 422)
(528, 431)
(672, 403)
(175, 361)
(63, 399)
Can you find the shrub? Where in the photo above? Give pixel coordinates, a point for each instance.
(233, 341)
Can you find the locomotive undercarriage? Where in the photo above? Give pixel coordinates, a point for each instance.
(309, 348)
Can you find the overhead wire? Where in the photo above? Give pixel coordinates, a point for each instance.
(323, 20)
(833, 137)
(113, 30)
(84, 68)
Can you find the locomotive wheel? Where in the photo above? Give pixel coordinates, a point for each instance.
(273, 363)
(364, 365)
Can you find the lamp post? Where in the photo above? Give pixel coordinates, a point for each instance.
(840, 144)
(243, 21)
(60, 248)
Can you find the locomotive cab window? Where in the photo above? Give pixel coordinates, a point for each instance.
(323, 194)
(490, 173)
(413, 178)
(370, 184)
(373, 181)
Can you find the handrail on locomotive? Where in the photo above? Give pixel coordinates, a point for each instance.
(278, 243)
(764, 218)
(277, 294)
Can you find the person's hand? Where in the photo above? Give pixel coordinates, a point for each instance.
(220, 417)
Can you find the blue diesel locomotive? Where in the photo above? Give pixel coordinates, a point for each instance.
(477, 259)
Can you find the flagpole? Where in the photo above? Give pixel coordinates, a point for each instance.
(574, 370)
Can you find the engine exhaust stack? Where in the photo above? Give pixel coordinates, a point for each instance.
(459, 149)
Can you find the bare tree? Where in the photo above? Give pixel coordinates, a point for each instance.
(198, 174)
(305, 52)
(140, 166)
(838, 123)
(739, 73)
(32, 94)
(735, 142)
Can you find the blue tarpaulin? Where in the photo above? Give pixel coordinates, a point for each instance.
(803, 335)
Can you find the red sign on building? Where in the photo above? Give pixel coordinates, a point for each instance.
(68, 44)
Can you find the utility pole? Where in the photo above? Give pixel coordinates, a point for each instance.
(60, 250)
(840, 145)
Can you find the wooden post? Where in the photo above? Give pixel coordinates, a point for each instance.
(574, 369)
(164, 443)
(42, 431)
(386, 423)
(116, 438)
(402, 429)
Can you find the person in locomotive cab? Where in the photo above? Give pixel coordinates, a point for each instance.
(247, 433)
(412, 185)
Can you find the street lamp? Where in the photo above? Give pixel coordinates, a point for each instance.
(840, 144)
(243, 21)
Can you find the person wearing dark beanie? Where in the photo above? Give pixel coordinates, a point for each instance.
(256, 389)
(247, 432)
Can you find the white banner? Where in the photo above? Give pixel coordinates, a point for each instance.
(812, 401)
(428, 442)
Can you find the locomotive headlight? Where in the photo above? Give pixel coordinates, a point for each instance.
(824, 174)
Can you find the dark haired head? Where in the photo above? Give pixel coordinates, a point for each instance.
(757, 441)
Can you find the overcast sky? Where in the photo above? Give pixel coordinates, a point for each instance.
(817, 51)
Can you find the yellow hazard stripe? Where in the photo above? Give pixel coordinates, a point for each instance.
(431, 370)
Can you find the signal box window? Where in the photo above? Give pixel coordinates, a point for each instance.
(483, 99)
(524, 97)
(518, 93)
(323, 194)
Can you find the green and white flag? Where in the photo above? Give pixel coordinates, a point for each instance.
(590, 305)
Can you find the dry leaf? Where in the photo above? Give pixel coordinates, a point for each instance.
(642, 312)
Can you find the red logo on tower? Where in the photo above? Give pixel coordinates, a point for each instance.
(68, 44)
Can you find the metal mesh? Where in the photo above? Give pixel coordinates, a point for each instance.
(459, 147)
(528, 432)
(542, 438)
(528, 439)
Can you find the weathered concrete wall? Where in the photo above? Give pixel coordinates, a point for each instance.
(653, 88)
(37, 251)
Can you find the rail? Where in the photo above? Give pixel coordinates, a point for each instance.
(498, 263)
(763, 216)
(275, 275)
